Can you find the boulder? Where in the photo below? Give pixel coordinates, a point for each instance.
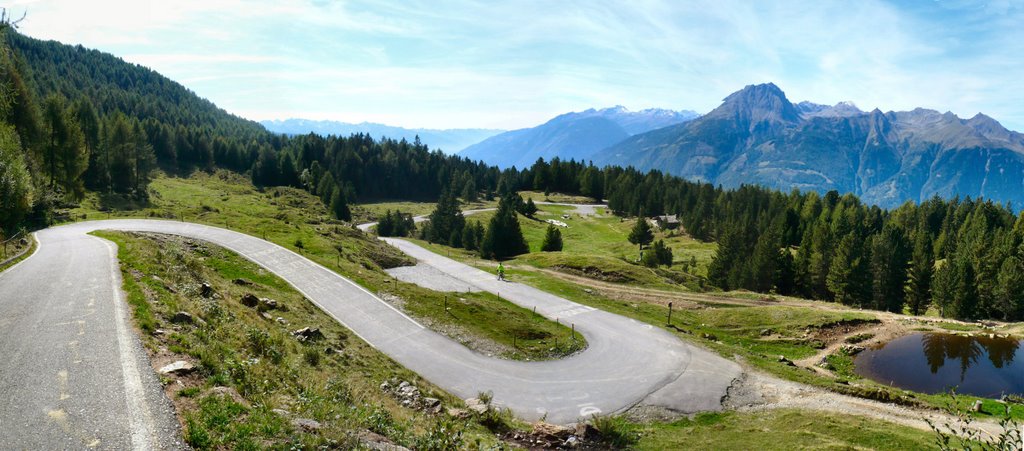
(784, 360)
(977, 407)
(461, 414)
(242, 282)
(587, 431)
(250, 300)
(308, 334)
(851, 349)
(182, 318)
(476, 405)
(178, 368)
(205, 290)
(267, 304)
(306, 424)
(551, 432)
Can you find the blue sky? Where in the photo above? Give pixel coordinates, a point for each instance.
(516, 64)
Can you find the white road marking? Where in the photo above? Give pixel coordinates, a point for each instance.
(140, 420)
(589, 409)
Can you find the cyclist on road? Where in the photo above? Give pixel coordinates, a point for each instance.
(501, 271)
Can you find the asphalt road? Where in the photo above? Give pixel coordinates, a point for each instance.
(70, 374)
(73, 374)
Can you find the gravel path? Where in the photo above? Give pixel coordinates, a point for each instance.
(429, 277)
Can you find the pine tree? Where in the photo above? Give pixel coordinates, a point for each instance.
(641, 234)
(446, 221)
(469, 193)
(889, 270)
(965, 294)
(504, 237)
(65, 155)
(552, 240)
(763, 266)
(726, 257)
(919, 275)
(529, 208)
(848, 277)
(469, 240)
(386, 225)
(662, 253)
(339, 207)
(1010, 289)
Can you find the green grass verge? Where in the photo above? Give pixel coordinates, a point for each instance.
(334, 380)
(32, 244)
(600, 241)
(298, 221)
(783, 429)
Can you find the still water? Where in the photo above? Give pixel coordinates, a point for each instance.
(936, 362)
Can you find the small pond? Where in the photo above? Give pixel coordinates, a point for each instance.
(935, 362)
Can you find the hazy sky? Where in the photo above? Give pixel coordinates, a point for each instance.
(480, 64)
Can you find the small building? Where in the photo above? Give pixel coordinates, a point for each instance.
(667, 222)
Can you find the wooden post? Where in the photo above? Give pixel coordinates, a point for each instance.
(669, 313)
(446, 305)
(574, 332)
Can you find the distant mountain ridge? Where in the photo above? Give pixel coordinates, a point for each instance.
(577, 135)
(449, 141)
(757, 136)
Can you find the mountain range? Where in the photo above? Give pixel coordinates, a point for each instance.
(449, 141)
(577, 135)
(757, 136)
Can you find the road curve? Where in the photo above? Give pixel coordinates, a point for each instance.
(626, 362)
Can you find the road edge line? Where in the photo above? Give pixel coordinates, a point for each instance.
(140, 420)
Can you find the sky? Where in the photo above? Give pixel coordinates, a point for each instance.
(515, 64)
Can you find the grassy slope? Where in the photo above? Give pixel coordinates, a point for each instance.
(31, 248)
(258, 358)
(781, 429)
(289, 217)
(599, 242)
(731, 331)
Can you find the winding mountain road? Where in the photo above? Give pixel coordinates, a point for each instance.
(72, 374)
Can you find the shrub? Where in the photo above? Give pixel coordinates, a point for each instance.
(615, 431)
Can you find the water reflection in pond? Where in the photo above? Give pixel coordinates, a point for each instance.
(936, 362)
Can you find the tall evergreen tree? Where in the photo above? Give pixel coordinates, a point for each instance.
(552, 240)
(65, 155)
(446, 221)
(641, 234)
(848, 278)
(1010, 289)
(919, 275)
(339, 206)
(889, 255)
(504, 237)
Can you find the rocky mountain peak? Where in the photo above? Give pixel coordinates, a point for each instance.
(757, 104)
